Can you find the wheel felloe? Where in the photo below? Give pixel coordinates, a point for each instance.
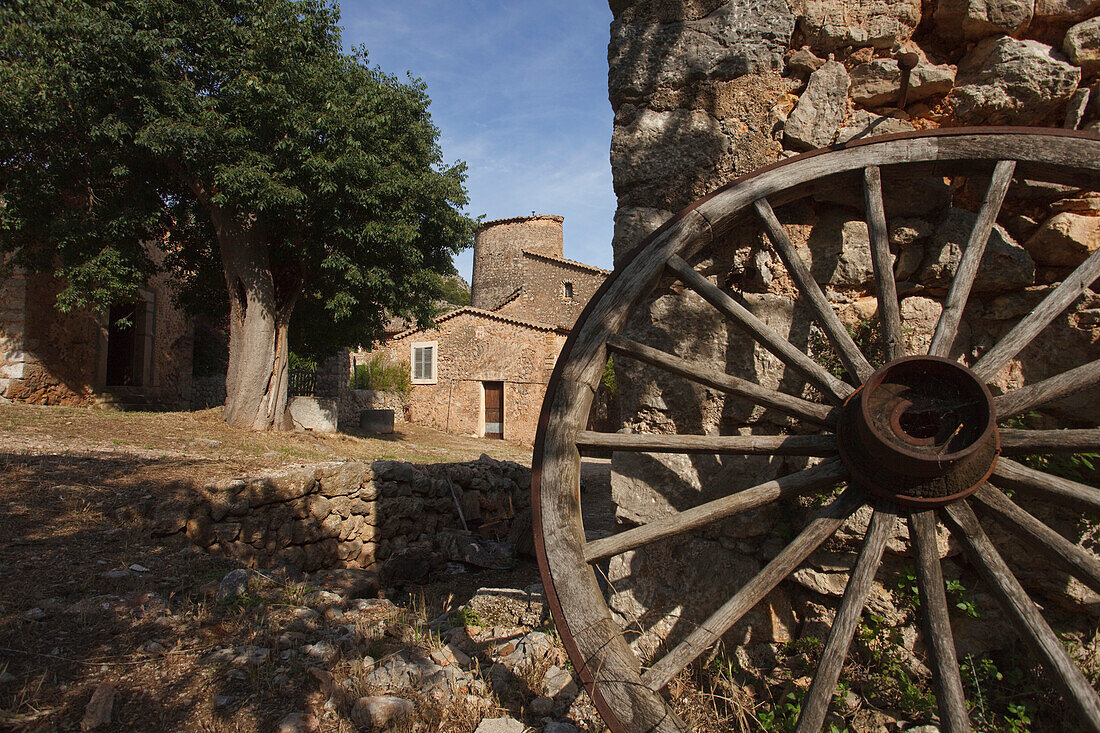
(920, 432)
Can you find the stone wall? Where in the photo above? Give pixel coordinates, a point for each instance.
(358, 400)
(13, 324)
(207, 391)
(705, 91)
(384, 516)
(474, 348)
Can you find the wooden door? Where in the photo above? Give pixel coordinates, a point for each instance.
(494, 409)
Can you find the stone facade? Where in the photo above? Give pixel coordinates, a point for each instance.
(704, 92)
(525, 297)
(475, 347)
(55, 358)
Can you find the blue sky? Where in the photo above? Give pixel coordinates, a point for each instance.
(519, 92)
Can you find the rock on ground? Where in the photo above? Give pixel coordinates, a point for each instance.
(378, 711)
(1004, 81)
(1065, 240)
(98, 711)
(298, 723)
(958, 20)
(500, 725)
(1005, 265)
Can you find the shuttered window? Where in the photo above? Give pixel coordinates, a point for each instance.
(423, 362)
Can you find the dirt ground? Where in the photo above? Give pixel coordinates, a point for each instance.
(88, 595)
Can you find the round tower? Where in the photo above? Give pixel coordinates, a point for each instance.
(498, 254)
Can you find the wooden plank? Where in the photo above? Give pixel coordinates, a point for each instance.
(819, 529)
(1074, 559)
(816, 703)
(823, 476)
(746, 445)
(1023, 442)
(886, 290)
(1019, 477)
(834, 389)
(937, 624)
(1021, 400)
(1023, 613)
(1034, 322)
(854, 360)
(948, 323)
(795, 406)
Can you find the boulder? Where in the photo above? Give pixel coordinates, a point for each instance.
(1059, 12)
(1005, 265)
(314, 413)
(1065, 240)
(822, 107)
(1082, 45)
(867, 124)
(970, 20)
(875, 83)
(879, 23)
(1004, 81)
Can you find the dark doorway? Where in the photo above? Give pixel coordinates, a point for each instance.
(494, 410)
(122, 345)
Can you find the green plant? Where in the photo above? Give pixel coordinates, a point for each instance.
(608, 378)
(382, 375)
(466, 617)
(782, 716)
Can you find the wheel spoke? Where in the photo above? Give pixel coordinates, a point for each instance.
(963, 280)
(937, 625)
(854, 360)
(816, 703)
(1076, 560)
(1017, 442)
(825, 475)
(819, 529)
(885, 288)
(1023, 612)
(1019, 401)
(763, 334)
(788, 405)
(1030, 326)
(1019, 477)
(749, 445)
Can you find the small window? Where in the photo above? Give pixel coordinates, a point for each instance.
(567, 288)
(423, 362)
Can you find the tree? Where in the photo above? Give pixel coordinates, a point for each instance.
(280, 174)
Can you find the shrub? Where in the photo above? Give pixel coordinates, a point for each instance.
(382, 375)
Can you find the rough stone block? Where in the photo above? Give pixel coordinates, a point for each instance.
(314, 413)
(376, 421)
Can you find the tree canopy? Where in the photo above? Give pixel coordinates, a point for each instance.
(279, 173)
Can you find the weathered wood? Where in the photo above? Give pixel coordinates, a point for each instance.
(854, 360)
(834, 389)
(1021, 400)
(823, 476)
(948, 323)
(746, 445)
(885, 289)
(1019, 477)
(795, 406)
(819, 529)
(1034, 322)
(1027, 619)
(816, 703)
(1073, 558)
(937, 624)
(1023, 442)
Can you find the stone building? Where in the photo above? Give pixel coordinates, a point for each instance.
(135, 354)
(482, 369)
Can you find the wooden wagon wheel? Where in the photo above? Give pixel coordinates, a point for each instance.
(882, 433)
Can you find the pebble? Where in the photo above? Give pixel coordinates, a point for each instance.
(100, 707)
(34, 614)
(221, 701)
(298, 723)
(500, 725)
(379, 711)
(139, 568)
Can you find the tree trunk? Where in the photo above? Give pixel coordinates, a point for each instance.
(260, 303)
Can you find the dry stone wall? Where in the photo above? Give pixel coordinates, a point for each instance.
(400, 519)
(704, 92)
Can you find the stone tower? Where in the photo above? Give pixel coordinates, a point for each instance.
(498, 254)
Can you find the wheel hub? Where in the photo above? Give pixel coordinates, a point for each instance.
(920, 431)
